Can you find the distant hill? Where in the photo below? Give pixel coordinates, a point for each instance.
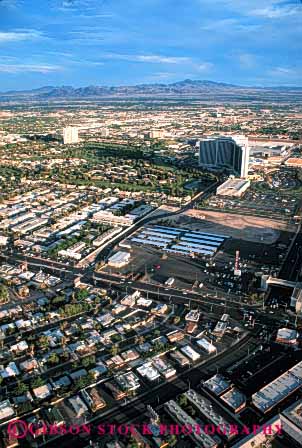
(185, 88)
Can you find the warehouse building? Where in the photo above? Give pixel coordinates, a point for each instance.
(278, 390)
(180, 241)
(177, 413)
(211, 413)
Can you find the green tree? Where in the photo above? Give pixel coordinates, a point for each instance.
(44, 341)
(37, 382)
(21, 388)
(53, 358)
(4, 293)
(176, 320)
(88, 361)
(172, 440)
(114, 350)
(182, 400)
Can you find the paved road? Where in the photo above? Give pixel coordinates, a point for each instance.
(207, 303)
(291, 268)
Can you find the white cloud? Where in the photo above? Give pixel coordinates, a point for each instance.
(247, 60)
(29, 68)
(270, 9)
(19, 35)
(154, 59)
(162, 59)
(276, 12)
(282, 71)
(11, 4)
(78, 5)
(230, 25)
(205, 66)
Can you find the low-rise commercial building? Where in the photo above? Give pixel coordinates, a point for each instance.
(178, 357)
(235, 399)
(148, 371)
(78, 406)
(205, 440)
(164, 368)
(217, 384)
(6, 410)
(128, 381)
(119, 259)
(93, 399)
(211, 413)
(291, 421)
(190, 353)
(193, 316)
(233, 188)
(278, 390)
(206, 345)
(293, 162)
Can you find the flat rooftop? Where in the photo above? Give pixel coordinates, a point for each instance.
(234, 398)
(294, 413)
(234, 184)
(276, 391)
(217, 384)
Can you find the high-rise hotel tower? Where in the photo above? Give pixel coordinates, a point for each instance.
(231, 152)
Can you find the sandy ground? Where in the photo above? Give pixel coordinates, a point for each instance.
(249, 228)
(165, 209)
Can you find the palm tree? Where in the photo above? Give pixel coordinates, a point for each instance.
(114, 349)
(63, 325)
(31, 350)
(141, 339)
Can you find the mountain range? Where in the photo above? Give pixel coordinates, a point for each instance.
(188, 87)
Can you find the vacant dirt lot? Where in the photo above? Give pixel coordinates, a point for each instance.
(249, 228)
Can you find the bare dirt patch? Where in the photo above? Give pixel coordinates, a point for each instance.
(249, 228)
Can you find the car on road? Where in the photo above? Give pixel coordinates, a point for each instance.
(170, 281)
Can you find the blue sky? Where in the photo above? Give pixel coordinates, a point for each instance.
(121, 42)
